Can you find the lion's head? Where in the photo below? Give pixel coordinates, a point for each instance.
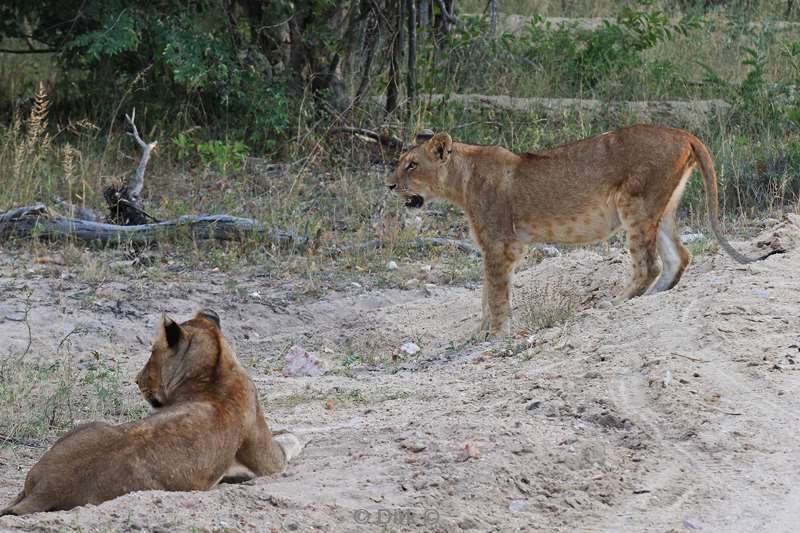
(420, 172)
(184, 357)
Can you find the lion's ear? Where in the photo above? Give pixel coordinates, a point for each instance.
(440, 146)
(423, 136)
(211, 315)
(171, 331)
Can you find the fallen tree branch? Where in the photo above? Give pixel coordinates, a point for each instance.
(38, 221)
(673, 112)
(76, 211)
(371, 136)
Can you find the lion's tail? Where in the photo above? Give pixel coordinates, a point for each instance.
(712, 200)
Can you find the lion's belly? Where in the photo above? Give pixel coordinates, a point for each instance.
(590, 224)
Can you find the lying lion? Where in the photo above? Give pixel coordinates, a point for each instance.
(582, 192)
(207, 427)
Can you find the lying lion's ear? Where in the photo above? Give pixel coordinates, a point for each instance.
(440, 146)
(171, 330)
(211, 315)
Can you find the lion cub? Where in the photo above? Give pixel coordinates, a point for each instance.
(208, 426)
(629, 179)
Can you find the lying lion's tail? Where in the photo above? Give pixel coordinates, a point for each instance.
(712, 200)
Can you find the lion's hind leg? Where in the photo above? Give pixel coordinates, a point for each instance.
(674, 255)
(642, 232)
(24, 504)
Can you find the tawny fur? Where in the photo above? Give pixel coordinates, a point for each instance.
(582, 192)
(208, 427)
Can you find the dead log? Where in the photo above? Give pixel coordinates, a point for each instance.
(76, 211)
(38, 221)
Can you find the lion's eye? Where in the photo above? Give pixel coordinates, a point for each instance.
(411, 166)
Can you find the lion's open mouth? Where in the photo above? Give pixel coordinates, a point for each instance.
(414, 201)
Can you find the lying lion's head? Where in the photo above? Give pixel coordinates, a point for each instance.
(421, 170)
(183, 360)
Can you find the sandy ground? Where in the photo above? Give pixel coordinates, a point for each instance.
(672, 412)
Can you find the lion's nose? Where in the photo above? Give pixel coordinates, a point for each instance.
(392, 186)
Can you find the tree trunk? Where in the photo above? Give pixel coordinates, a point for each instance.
(411, 89)
(371, 38)
(393, 89)
(493, 16)
(424, 13)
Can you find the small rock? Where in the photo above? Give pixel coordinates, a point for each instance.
(535, 404)
(469, 451)
(255, 294)
(414, 446)
(410, 348)
(302, 363)
(468, 523)
(667, 379)
(686, 238)
(55, 259)
(355, 285)
(426, 268)
(411, 283)
(688, 524)
(548, 251)
(429, 289)
(517, 505)
(391, 265)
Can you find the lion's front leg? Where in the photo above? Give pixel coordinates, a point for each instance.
(498, 266)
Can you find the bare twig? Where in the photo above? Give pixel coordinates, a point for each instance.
(372, 136)
(137, 182)
(696, 360)
(28, 306)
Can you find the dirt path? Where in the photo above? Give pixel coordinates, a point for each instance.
(672, 412)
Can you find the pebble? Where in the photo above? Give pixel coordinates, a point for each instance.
(410, 284)
(429, 289)
(517, 505)
(414, 447)
(391, 265)
(410, 347)
(686, 238)
(300, 362)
